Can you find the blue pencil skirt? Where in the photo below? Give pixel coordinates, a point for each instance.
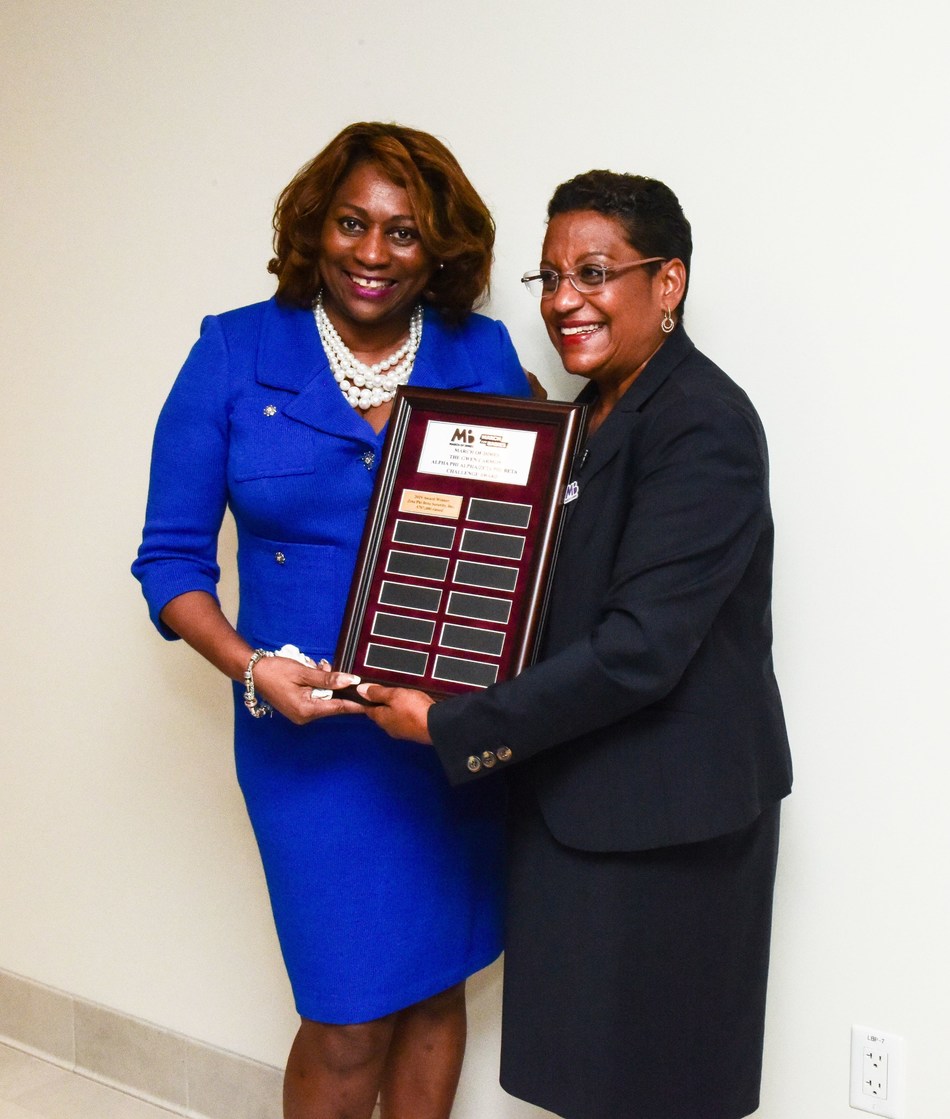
(385, 882)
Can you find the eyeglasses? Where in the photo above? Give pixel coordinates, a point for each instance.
(586, 279)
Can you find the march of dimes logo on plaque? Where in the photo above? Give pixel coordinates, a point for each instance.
(488, 454)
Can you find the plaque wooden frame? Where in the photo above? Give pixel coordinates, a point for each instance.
(451, 582)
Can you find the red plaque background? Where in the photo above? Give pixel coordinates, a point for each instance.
(557, 429)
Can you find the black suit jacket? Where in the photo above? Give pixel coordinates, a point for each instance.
(652, 717)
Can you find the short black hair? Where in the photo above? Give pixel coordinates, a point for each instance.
(650, 213)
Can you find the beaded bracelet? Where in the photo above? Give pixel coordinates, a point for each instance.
(256, 707)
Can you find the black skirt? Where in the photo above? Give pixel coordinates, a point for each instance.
(635, 982)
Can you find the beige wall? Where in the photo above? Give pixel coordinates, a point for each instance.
(143, 145)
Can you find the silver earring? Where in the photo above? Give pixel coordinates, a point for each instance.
(668, 322)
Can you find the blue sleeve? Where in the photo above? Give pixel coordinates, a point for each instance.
(504, 374)
(188, 482)
(515, 379)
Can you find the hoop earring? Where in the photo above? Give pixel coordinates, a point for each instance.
(668, 323)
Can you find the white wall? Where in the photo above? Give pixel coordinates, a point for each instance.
(143, 146)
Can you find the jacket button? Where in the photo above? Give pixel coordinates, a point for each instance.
(503, 753)
(488, 759)
(280, 557)
(270, 410)
(368, 458)
(473, 764)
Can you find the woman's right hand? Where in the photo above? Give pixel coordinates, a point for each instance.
(538, 391)
(302, 693)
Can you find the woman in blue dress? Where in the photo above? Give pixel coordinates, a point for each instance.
(385, 882)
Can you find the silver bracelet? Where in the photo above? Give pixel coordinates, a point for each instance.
(256, 707)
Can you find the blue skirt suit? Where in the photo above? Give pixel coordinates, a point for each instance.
(386, 883)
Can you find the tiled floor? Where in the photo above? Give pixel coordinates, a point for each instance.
(32, 1089)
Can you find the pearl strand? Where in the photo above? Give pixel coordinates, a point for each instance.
(367, 386)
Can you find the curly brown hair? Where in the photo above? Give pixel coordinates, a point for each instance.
(455, 226)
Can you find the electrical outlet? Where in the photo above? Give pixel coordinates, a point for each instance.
(877, 1072)
(874, 1077)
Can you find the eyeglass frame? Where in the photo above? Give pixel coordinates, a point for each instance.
(609, 273)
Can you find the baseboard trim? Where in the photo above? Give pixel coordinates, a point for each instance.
(179, 1073)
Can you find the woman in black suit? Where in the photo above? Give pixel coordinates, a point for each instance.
(646, 750)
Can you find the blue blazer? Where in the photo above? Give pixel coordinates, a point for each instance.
(256, 422)
(653, 717)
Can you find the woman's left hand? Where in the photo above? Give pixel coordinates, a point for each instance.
(401, 712)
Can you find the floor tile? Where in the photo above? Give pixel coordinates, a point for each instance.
(19, 1073)
(78, 1098)
(14, 1111)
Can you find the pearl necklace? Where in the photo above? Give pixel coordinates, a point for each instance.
(366, 386)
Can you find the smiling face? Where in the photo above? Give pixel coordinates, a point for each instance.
(372, 262)
(607, 335)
